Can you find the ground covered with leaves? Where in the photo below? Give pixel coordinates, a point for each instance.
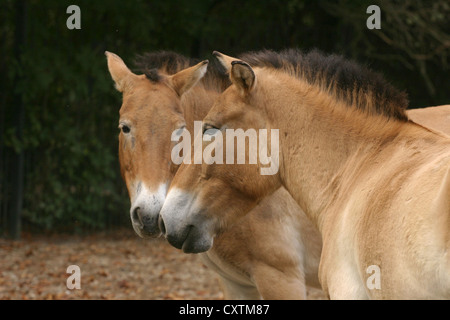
(119, 266)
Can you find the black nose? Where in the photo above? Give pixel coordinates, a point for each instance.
(161, 225)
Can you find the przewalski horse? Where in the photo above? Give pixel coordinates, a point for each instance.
(270, 253)
(376, 185)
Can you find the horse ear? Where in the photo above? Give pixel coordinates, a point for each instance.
(242, 76)
(120, 73)
(184, 80)
(224, 60)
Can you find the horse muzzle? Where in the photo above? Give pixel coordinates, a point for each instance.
(145, 223)
(184, 229)
(144, 212)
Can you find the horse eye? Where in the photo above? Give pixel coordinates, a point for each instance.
(125, 129)
(209, 129)
(179, 131)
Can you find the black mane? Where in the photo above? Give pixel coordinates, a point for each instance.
(354, 84)
(155, 64)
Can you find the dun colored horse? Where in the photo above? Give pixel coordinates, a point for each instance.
(375, 184)
(166, 99)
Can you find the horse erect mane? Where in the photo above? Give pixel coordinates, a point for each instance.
(154, 64)
(355, 85)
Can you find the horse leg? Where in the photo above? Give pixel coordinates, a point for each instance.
(236, 291)
(340, 278)
(274, 284)
(235, 286)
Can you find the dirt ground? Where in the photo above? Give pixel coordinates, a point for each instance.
(119, 266)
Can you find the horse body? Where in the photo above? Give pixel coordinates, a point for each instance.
(270, 250)
(375, 184)
(380, 221)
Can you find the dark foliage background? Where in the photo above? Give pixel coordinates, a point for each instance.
(59, 110)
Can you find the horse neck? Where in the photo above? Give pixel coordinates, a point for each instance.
(320, 138)
(196, 103)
